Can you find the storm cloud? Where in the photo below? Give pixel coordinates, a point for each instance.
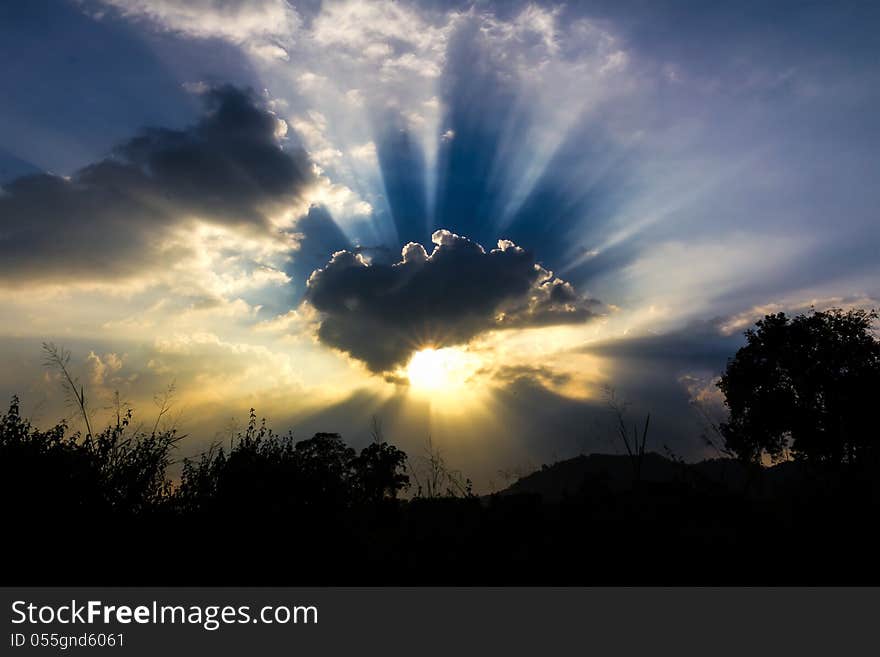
(381, 313)
(113, 218)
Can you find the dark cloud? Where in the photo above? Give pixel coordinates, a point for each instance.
(381, 313)
(228, 165)
(12, 167)
(664, 373)
(109, 218)
(699, 345)
(537, 374)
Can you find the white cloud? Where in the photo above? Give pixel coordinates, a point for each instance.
(365, 152)
(615, 61)
(340, 200)
(264, 27)
(268, 51)
(102, 368)
(368, 27)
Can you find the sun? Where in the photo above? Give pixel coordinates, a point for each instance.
(440, 370)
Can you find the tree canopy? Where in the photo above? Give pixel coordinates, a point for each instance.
(805, 387)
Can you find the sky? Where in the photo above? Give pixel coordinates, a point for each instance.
(470, 220)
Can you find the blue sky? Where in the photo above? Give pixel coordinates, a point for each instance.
(659, 175)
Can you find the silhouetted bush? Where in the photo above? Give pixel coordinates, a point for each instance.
(268, 473)
(45, 473)
(50, 472)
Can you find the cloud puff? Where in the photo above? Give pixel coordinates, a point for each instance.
(390, 36)
(380, 313)
(116, 218)
(265, 27)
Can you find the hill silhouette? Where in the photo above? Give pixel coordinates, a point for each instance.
(556, 482)
(561, 480)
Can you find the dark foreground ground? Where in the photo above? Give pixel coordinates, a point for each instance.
(579, 522)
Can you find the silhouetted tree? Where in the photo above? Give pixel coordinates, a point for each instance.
(380, 472)
(327, 469)
(807, 385)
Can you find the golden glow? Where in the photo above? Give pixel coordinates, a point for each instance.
(440, 370)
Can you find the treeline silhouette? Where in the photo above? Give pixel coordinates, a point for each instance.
(792, 500)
